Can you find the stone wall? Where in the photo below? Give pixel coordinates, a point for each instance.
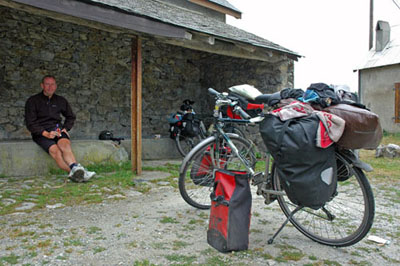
(93, 69)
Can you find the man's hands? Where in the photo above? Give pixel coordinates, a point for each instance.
(53, 134)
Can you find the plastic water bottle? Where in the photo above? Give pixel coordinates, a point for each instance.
(58, 130)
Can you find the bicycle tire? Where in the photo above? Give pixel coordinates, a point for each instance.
(195, 188)
(185, 144)
(353, 208)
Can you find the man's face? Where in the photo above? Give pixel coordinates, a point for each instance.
(49, 86)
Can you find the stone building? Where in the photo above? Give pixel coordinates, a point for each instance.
(120, 62)
(379, 77)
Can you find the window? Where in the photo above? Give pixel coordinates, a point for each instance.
(397, 103)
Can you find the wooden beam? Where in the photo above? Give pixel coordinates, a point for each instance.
(397, 103)
(222, 47)
(218, 8)
(136, 106)
(99, 13)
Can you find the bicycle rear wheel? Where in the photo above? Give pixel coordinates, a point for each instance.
(344, 220)
(196, 178)
(185, 143)
(231, 128)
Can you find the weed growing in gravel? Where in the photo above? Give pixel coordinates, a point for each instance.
(72, 242)
(331, 263)
(218, 261)
(179, 244)
(98, 250)
(166, 219)
(143, 263)
(24, 223)
(289, 253)
(11, 259)
(159, 245)
(93, 230)
(132, 244)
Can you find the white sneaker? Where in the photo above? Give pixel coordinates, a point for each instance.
(88, 175)
(77, 173)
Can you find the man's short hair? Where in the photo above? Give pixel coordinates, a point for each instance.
(48, 76)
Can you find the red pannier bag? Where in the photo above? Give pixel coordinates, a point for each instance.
(230, 213)
(362, 129)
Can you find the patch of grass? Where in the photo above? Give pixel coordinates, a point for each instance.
(19, 233)
(143, 263)
(24, 223)
(179, 244)
(218, 261)
(289, 253)
(119, 177)
(11, 259)
(44, 244)
(42, 226)
(132, 244)
(61, 257)
(331, 262)
(166, 219)
(181, 259)
(158, 245)
(93, 230)
(98, 250)
(196, 221)
(203, 214)
(72, 242)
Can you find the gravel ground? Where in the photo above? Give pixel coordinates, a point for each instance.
(159, 228)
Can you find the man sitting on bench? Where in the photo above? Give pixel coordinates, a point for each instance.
(43, 119)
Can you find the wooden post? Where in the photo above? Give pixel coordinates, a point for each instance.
(397, 103)
(136, 106)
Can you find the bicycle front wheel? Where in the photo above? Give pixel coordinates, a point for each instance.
(344, 220)
(196, 178)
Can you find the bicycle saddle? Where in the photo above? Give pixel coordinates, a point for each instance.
(269, 99)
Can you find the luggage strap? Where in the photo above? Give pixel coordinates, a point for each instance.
(219, 199)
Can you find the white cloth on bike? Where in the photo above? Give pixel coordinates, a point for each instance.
(330, 129)
(293, 110)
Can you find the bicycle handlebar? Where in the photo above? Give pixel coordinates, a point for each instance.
(214, 92)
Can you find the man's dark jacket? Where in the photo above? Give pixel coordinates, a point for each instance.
(44, 113)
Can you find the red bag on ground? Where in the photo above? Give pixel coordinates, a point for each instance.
(230, 211)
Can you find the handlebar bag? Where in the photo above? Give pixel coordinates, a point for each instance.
(307, 172)
(362, 129)
(230, 213)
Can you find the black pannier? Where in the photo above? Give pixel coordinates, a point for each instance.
(307, 172)
(190, 125)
